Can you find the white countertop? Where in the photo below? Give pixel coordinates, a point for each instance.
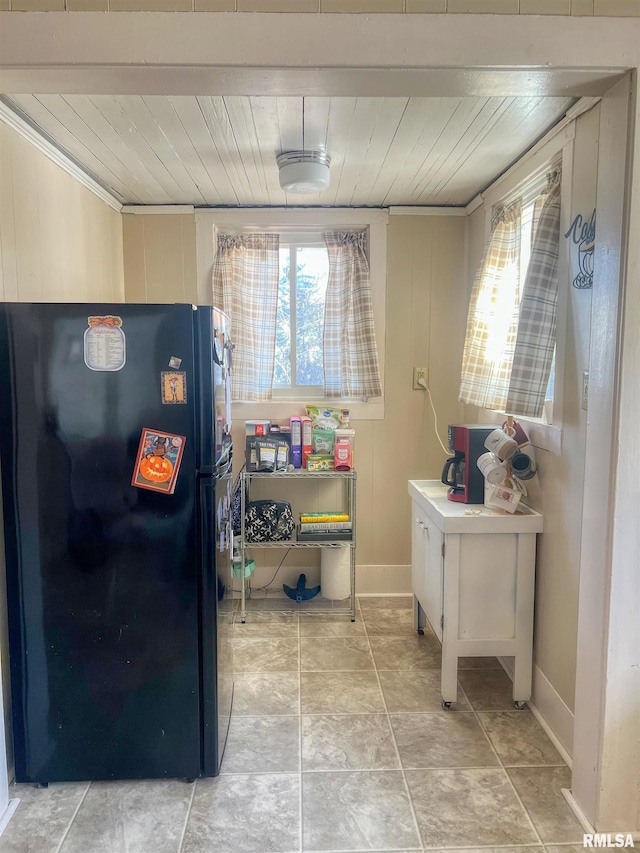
(449, 516)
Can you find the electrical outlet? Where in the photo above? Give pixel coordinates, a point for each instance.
(420, 378)
(585, 390)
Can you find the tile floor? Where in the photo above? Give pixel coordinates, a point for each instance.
(338, 742)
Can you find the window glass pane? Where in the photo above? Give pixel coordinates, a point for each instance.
(311, 284)
(552, 380)
(282, 366)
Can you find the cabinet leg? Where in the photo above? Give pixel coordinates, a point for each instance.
(449, 682)
(419, 618)
(522, 674)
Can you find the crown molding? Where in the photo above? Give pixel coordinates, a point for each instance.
(157, 209)
(408, 210)
(26, 131)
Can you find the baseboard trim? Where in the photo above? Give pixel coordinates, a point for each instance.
(6, 817)
(575, 808)
(549, 710)
(584, 821)
(370, 580)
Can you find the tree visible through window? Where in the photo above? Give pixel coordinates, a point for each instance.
(302, 287)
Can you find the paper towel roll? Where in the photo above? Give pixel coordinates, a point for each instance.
(335, 573)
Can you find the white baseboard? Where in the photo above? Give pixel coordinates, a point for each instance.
(549, 710)
(370, 580)
(575, 808)
(6, 817)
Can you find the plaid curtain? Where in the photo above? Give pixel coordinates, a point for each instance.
(536, 340)
(350, 352)
(246, 270)
(492, 322)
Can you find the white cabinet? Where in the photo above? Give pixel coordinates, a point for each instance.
(426, 571)
(473, 579)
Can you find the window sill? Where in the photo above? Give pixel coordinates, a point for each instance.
(279, 411)
(542, 436)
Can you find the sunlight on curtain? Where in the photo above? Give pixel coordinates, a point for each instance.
(535, 345)
(245, 285)
(492, 322)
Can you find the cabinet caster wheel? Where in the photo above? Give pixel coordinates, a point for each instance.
(446, 705)
(189, 780)
(520, 705)
(42, 784)
(421, 632)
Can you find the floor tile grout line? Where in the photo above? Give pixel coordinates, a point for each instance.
(395, 746)
(300, 804)
(518, 797)
(186, 820)
(73, 817)
(331, 770)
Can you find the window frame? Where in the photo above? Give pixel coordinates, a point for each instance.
(526, 174)
(301, 221)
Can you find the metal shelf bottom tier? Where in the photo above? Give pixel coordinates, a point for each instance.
(350, 476)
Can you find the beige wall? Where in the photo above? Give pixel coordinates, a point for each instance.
(58, 243)
(557, 491)
(425, 311)
(160, 258)
(510, 7)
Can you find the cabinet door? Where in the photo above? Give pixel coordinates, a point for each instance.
(433, 579)
(418, 571)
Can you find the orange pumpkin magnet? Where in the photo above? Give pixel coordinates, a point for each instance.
(158, 461)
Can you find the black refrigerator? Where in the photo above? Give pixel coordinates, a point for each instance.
(115, 450)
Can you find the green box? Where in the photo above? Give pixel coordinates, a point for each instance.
(249, 568)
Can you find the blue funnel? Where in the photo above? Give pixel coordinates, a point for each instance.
(300, 593)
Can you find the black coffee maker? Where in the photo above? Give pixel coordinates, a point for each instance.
(461, 472)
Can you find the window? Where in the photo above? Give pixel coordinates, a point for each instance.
(527, 229)
(304, 270)
(509, 351)
(305, 228)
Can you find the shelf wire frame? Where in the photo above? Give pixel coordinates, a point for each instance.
(299, 474)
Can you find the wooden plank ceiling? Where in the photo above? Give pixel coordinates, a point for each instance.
(222, 150)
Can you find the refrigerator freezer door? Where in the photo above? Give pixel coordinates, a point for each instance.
(102, 576)
(217, 620)
(214, 383)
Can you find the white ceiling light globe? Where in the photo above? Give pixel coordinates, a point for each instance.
(304, 171)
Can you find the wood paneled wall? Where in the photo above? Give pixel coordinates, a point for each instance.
(426, 304)
(59, 242)
(493, 7)
(160, 258)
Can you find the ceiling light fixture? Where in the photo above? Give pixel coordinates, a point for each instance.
(304, 171)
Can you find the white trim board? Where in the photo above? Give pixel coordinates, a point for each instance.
(26, 131)
(157, 209)
(549, 710)
(8, 812)
(371, 581)
(427, 211)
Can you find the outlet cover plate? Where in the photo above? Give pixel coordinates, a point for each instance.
(418, 374)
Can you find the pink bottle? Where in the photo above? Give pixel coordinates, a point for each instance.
(342, 455)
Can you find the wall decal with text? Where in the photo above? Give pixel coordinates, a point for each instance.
(583, 235)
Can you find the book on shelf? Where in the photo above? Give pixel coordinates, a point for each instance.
(319, 517)
(323, 535)
(316, 526)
